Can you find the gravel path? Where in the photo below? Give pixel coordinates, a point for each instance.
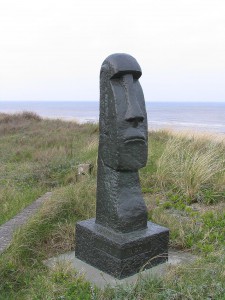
(7, 229)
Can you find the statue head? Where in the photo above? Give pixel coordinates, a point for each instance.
(123, 143)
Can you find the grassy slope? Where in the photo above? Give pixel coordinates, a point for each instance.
(39, 155)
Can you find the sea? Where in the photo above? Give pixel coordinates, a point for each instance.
(194, 116)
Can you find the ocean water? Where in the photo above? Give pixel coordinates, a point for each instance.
(208, 117)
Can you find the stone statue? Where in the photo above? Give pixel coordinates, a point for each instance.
(121, 240)
(122, 145)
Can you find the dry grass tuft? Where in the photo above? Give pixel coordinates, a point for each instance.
(61, 239)
(191, 164)
(19, 117)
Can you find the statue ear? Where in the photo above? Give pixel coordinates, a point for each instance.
(104, 68)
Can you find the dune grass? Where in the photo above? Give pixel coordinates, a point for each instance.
(193, 166)
(47, 159)
(38, 155)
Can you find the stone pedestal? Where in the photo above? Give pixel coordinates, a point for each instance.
(121, 254)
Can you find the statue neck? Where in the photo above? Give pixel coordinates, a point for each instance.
(120, 205)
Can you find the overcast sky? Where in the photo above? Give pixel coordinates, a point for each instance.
(53, 49)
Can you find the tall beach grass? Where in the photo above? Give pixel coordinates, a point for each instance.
(192, 165)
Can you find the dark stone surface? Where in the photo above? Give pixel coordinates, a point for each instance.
(121, 254)
(120, 241)
(123, 145)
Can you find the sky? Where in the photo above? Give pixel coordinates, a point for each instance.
(53, 49)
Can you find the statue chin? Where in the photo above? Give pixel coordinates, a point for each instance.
(130, 156)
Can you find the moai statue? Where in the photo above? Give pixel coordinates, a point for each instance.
(120, 241)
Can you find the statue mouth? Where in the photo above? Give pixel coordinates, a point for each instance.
(135, 139)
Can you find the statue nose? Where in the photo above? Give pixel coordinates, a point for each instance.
(134, 119)
(134, 112)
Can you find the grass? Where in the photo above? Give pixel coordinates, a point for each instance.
(45, 157)
(38, 155)
(193, 166)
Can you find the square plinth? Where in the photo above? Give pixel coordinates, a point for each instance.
(121, 254)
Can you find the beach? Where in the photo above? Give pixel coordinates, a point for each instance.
(179, 116)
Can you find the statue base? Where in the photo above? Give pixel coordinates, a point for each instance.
(121, 254)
